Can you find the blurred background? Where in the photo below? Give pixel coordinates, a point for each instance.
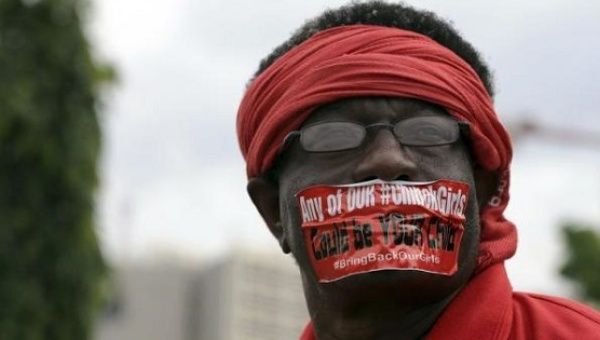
(124, 213)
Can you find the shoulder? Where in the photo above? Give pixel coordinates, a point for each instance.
(540, 316)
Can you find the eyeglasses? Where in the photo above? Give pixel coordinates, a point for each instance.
(340, 135)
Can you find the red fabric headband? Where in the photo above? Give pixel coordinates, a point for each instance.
(363, 60)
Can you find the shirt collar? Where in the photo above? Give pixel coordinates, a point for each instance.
(482, 310)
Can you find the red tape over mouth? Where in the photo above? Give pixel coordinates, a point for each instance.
(377, 225)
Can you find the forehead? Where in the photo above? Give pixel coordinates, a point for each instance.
(369, 110)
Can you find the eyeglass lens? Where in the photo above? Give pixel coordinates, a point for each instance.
(417, 131)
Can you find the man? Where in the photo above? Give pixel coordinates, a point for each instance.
(375, 157)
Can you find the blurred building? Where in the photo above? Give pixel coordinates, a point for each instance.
(150, 302)
(243, 296)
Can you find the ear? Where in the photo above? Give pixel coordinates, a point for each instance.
(265, 196)
(486, 185)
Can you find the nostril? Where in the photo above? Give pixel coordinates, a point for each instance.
(402, 178)
(368, 178)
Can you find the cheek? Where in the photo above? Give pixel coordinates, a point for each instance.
(300, 169)
(319, 169)
(444, 166)
(472, 223)
(290, 218)
(470, 243)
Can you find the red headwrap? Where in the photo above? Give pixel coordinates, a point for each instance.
(362, 60)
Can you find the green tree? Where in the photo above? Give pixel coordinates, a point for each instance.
(582, 264)
(51, 269)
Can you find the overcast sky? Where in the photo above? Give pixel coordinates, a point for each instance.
(173, 178)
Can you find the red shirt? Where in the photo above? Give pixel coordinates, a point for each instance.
(487, 308)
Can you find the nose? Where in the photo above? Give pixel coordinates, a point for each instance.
(384, 158)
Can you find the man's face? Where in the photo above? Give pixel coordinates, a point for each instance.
(380, 157)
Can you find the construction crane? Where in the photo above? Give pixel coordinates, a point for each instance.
(562, 135)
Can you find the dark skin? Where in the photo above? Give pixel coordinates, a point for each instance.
(384, 304)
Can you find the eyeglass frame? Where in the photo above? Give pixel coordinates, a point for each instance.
(463, 130)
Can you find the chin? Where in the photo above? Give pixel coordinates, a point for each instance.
(405, 286)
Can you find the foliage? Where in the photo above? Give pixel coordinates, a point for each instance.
(582, 264)
(51, 267)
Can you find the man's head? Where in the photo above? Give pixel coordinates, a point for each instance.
(380, 156)
(369, 75)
